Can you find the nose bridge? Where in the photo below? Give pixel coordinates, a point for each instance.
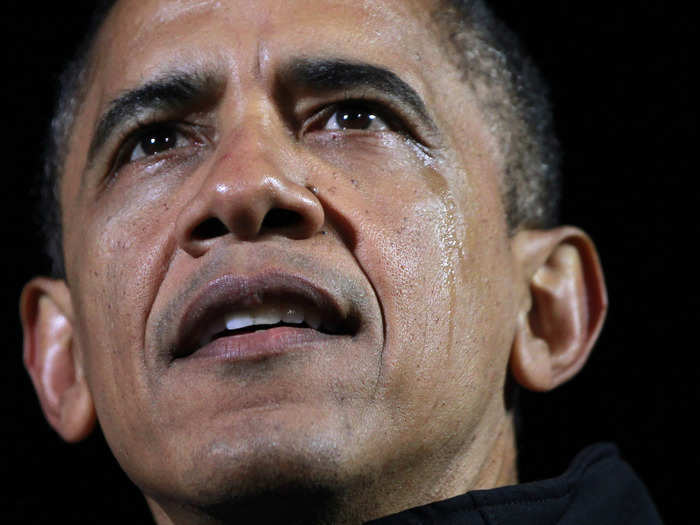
(252, 187)
(251, 151)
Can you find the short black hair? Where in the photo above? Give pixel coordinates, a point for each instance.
(72, 87)
(511, 92)
(514, 99)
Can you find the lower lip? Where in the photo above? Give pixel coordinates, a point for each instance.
(259, 345)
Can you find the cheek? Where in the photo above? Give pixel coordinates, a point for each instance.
(410, 252)
(441, 273)
(122, 253)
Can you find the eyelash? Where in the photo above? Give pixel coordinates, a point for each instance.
(320, 118)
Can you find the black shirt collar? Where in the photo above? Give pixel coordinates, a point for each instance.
(598, 488)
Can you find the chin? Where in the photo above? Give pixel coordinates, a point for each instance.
(270, 472)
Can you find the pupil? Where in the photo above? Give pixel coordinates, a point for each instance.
(355, 118)
(158, 140)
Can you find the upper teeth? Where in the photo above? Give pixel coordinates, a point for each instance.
(271, 314)
(266, 314)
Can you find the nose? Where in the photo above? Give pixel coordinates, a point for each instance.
(247, 194)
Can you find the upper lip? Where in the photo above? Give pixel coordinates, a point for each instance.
(231, 293)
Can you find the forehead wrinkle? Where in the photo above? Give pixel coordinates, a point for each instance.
(184, 10)
(382, 15)
(164, 14)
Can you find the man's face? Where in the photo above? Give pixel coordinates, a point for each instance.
(266, 170)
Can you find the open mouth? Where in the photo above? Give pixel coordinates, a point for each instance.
(234, 308)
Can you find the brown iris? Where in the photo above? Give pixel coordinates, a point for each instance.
(354, 118)
(158, 139)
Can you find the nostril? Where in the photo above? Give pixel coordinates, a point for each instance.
(278, 218)
(209, 229)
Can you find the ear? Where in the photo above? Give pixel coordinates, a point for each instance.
(564, 306)
(57, 374)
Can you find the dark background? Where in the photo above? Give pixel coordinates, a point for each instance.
(620, 78)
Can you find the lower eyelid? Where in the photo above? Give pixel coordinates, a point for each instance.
(171, 161)
(357, 140)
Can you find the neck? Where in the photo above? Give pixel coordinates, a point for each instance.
(500, 465)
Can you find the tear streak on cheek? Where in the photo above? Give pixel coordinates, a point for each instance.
(451, 237)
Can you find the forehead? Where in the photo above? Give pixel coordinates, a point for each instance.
(141, 37)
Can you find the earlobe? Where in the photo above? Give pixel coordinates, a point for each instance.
(566, 308)
(530, 361)
(46, 311)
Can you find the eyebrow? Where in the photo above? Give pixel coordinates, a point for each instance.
(338, 75)
(179, 91)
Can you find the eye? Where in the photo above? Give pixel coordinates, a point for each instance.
(153, 140)
(355, 116)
